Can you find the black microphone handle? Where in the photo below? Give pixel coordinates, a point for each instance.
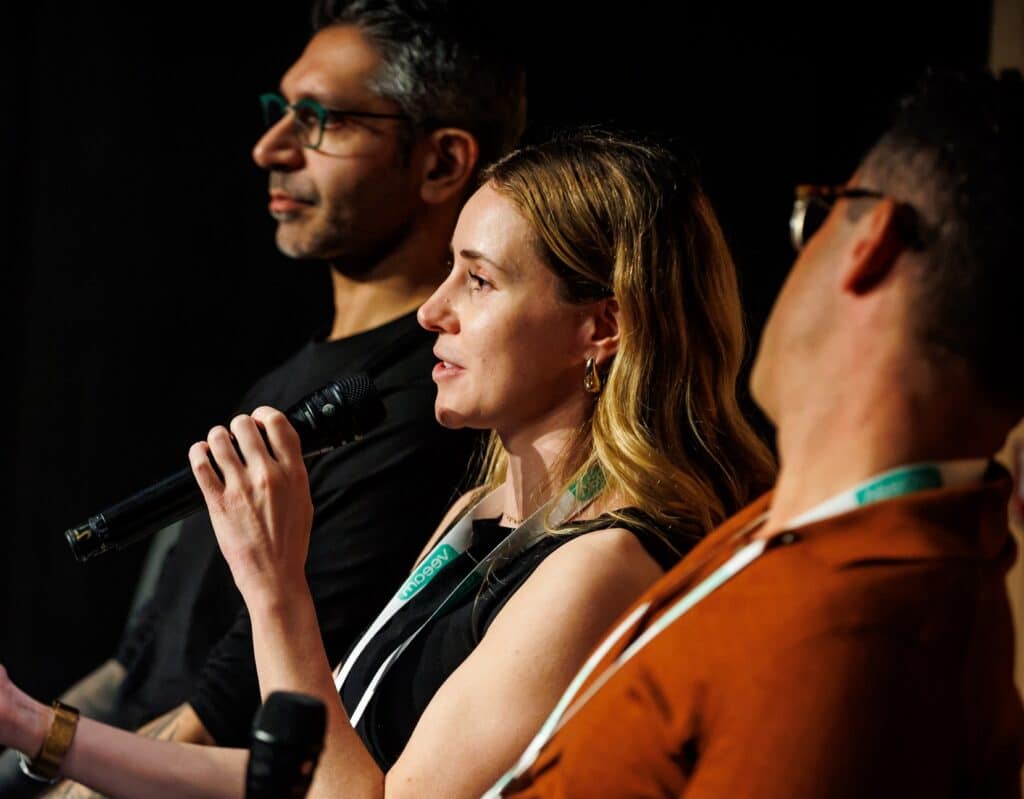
(336, 414)
(287, 738)
(141, 515)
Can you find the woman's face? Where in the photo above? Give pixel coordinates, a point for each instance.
(511, 352)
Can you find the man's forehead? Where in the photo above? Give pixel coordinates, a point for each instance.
(338, 64)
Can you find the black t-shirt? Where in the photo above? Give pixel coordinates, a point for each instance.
(376, 500)
(407, 688)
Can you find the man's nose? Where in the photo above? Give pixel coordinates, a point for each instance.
(279, 147)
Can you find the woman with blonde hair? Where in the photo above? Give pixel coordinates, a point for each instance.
(591, 321)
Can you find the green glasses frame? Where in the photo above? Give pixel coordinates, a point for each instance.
(310, 119)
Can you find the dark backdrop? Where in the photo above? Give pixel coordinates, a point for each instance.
(143, 290)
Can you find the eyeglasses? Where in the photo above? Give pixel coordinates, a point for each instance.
(813, 204)
(311, 120)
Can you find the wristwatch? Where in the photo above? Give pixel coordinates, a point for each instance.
(45, 766)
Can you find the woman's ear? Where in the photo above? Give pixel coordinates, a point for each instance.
(451, 158)
(603, 330)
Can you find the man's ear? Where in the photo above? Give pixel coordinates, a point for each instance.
(877, 242)
(602, 330)
(451, 157)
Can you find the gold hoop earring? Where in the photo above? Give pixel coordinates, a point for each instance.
(591, 379)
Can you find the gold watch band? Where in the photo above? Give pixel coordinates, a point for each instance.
(46, 765)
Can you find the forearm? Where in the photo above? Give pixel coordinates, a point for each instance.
(94, 696)
(262, 513)
(122, 764)
(181, 725)
(116, 763)
(290, 656)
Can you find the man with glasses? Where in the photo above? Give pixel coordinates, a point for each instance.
(848, 635)
(373, 141)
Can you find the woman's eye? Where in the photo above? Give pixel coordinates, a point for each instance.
(476, 282)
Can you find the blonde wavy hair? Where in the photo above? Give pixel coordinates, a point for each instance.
(621, 217)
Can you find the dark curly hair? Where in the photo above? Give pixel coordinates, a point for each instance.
(955, 154)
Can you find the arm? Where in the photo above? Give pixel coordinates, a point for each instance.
(94, 696)
(122, 764)
(260, 510)
(181, 725)
(362, 545)
(491, 706)
(262, 514)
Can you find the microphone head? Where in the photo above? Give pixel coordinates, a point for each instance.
(341, 411)
(287, 737)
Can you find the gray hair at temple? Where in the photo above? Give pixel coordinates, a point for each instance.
(955, 155)
(446, 63)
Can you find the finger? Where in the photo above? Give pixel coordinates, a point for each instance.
(209, 481)
(225, 456)
(250, 441)
(279, 432)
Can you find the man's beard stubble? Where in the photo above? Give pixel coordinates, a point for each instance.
(333, 240)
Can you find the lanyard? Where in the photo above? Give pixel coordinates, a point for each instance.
(893, 483)
(449, 549)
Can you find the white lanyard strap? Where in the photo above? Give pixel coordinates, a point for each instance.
(893, 483)
(451, 547)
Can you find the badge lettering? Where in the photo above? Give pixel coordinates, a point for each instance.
(442, 556)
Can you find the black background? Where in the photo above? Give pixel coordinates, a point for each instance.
(143, 291)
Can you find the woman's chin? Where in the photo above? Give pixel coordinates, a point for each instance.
(446, 417)
(455, 419)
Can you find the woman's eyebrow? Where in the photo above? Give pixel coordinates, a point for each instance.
(476, 255)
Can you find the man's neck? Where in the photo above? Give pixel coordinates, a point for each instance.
(395, 286)
(829, 448)
(361, 305)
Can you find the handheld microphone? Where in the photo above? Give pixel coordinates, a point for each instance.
(287, 737)
(335, 414)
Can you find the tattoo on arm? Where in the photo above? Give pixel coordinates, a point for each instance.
(163, 728)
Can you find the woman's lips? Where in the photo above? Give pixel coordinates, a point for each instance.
(446, 370)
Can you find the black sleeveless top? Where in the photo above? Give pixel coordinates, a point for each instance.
(407, 688)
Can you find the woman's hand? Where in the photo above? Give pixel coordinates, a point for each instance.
(259, 501)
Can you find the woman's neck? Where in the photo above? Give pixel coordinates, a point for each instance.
(534, 461)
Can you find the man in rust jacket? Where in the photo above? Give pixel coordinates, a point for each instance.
(848, 635)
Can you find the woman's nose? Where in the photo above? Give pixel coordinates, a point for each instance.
(437, 313)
